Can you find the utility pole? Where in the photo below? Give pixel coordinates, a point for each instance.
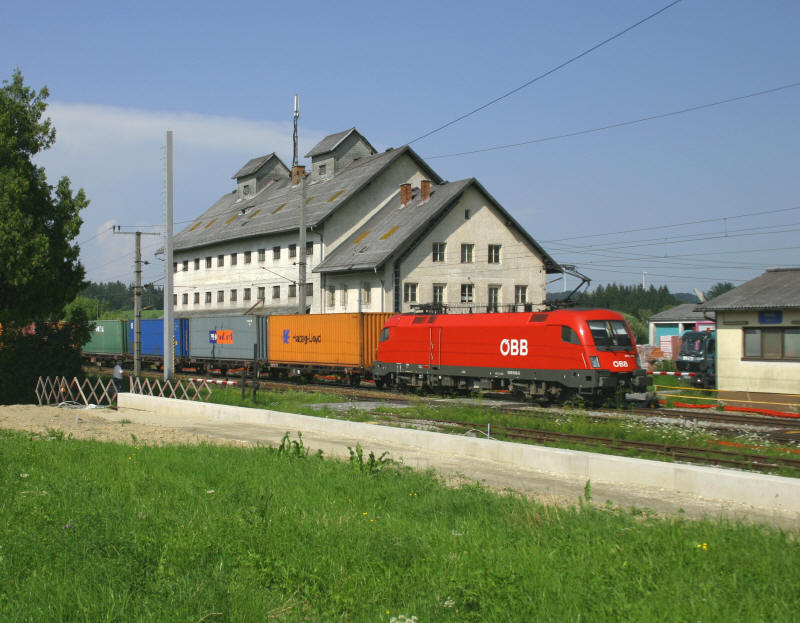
(301, 260)
(169, 326)
(137, 298)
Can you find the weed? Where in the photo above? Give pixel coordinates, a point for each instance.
(372, 465)
(295, 449)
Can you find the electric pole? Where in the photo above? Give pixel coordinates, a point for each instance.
(137, 298)
(301, 243)
(169, 326)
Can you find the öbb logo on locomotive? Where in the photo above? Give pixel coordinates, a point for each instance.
(514, 347)
(620, 364)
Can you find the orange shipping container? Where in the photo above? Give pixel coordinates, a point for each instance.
(337, 340)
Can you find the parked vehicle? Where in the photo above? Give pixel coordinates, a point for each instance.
(698, 354)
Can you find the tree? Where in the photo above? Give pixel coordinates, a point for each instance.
(719, 288)
(39, 267)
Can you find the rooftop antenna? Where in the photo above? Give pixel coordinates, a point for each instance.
(294, 134)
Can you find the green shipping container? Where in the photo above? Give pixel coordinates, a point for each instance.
(109, 337)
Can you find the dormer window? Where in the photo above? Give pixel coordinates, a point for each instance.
(322, 169)
(246, 190)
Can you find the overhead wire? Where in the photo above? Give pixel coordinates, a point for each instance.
(547, 73)
(616, 125)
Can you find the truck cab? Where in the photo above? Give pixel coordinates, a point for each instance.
(698, 355)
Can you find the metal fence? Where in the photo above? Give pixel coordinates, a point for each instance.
(59, 390)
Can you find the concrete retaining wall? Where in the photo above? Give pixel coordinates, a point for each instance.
(765, 491)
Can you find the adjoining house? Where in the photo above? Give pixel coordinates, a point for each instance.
(758, 339)
(384, 233)
(672, 323)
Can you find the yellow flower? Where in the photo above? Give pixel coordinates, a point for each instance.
(364, 514)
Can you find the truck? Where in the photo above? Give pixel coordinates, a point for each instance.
(698, 355)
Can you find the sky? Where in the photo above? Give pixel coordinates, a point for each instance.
(685, 200)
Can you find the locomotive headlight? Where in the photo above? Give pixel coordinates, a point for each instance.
(595, 361)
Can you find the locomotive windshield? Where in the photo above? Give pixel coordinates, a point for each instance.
(611, 334)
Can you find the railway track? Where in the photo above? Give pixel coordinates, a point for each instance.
(710, 456)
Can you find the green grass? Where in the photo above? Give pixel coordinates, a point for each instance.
(108, 532)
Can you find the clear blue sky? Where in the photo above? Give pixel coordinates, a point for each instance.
(222, 76)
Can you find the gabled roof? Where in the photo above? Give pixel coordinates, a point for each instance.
(332, 141)
(254, 165)
(680, 313)
(274, 208)
(778, 288)
(392, 229)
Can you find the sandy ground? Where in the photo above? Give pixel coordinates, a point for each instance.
(126, 424)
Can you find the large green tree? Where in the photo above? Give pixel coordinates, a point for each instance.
(39, 267)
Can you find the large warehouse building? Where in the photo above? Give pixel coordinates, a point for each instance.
(383, 233)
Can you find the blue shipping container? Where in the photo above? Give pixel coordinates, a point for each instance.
(153, 337)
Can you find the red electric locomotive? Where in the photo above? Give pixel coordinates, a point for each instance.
(546, 356)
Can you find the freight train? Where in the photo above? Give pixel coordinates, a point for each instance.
(543, 356)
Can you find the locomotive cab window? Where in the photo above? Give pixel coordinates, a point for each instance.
(611, 334)
(384, 335)
(568, 335)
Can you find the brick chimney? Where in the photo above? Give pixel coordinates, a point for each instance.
(298, 173)
(425, 190)
(405, 194)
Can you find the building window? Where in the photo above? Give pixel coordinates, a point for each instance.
(234, 259)
(466, 292)
(246, 190)
(520, 295)
(174, 299)
(247, 256)
(466, 253)
(197, 263)
(246, 296)
(322, 169)
(220, 296)
(366, 293)
(276, 253)
(438, 293)
(208, 298)
(309, 289)
(343, 296)
(772, 343)
(220, 260)
(292, 251)
(494, 253)
(186, 266)
(174, 267)
(331, 296)
(208, 262)
(467, 214)
(493, 298)
(292, 291)
(438, 251)
(185, 298)
(409, 292)
(262, 292)
(309, 248)
(276, 292)
(262, 255)
(197, 298)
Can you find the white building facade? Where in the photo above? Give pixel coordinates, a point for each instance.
(383, 233)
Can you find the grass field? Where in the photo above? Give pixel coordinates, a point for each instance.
(109, 532)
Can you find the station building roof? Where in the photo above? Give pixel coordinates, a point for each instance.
(778, 288)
